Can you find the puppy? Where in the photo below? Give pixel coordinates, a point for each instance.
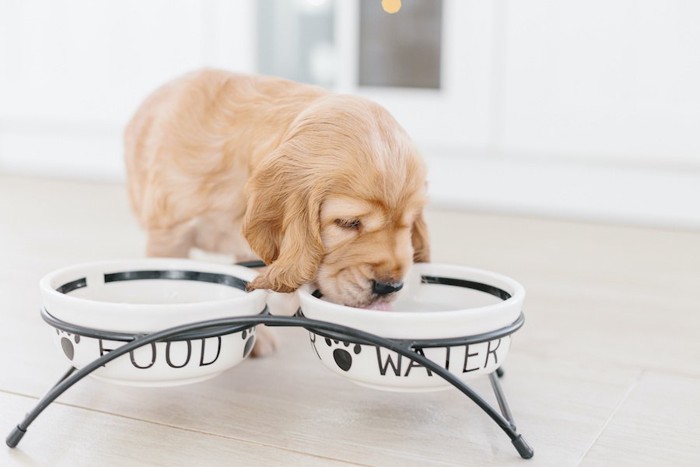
(324, 188)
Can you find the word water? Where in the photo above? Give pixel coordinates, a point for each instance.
(456, 359)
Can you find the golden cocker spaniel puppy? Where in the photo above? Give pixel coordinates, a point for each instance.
(324, 188)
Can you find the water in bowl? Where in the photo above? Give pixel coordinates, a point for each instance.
(437, 297)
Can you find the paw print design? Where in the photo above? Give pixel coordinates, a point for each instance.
(342, 357)
(67, 343)
(248, 334)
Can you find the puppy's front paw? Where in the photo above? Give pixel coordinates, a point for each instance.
(259, 282)
(263, 281)
(265, 342)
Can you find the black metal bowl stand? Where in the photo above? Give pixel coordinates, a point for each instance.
(223, 326)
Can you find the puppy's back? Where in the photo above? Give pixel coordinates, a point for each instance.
(189, 147)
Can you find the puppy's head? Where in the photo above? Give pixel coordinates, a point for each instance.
(339, 203)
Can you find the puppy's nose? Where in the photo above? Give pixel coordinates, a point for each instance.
(385, 288)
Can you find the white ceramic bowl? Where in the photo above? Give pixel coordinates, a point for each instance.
(437, 302)
(147, 295)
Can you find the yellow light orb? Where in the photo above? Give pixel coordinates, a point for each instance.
(391, 6)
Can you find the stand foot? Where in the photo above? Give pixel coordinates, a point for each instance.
(15, 437)
(500, 372)
(524, 449)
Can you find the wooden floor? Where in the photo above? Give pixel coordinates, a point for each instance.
(606, 370)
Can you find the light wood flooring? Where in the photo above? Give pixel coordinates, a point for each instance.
(606, 370)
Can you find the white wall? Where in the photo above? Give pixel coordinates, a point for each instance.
(577, 109)
(602, 80)
(73, 71)
(594, 114)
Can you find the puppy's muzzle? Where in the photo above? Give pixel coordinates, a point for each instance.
(385, 288)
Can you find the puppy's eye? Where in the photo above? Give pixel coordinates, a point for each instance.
(350, 224)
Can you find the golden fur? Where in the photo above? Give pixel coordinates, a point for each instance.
(324, 188)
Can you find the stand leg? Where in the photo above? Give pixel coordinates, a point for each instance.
(407, 350)
(18, 431)
(72, 376)
(524, 449)
(505, 421)
(501, 399)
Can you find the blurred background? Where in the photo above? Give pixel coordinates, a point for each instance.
(567, 109)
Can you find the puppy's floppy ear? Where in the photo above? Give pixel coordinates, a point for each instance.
(282, 222)
(420, 241)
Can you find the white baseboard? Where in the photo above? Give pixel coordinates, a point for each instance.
(56, 152)
(526, 186)
(568, 190)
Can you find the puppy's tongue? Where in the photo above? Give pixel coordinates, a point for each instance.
(382, 306)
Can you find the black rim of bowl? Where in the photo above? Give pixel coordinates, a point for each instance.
(444, 342)
(163, 274)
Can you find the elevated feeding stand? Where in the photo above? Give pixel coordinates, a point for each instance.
(504, 419)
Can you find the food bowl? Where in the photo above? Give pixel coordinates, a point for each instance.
(122, 299)
(441, 309)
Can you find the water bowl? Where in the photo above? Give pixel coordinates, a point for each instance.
(460, 318)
